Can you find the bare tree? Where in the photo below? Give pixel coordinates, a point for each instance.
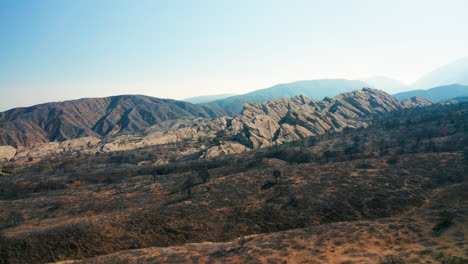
(188, 184)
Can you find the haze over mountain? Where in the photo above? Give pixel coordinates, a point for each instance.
(95, 117)
(439, 93)
(207, 98)
(386, 84)
(452, 73)
(314, 89)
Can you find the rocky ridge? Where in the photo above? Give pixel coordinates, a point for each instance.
(288, 119)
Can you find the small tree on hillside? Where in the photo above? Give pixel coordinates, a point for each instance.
(188, 184)
(277, 175)
(204, 174)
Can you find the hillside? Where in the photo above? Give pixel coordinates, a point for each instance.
(437, 94)
(392, 187)
(314, 89)
(96, 117)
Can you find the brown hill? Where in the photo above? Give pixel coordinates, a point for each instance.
(97, 117)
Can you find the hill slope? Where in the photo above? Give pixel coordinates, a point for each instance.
(439, 93)
(314, 89)
(97, 117)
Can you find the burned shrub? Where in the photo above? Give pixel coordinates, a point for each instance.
(392, 259)
(364, 166)
(444, 221)
(392, 160)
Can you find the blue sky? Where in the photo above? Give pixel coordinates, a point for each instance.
(58, 50)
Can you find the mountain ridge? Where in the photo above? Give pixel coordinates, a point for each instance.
(438, 93)
(95, 117)
(207, 98)
(274, 122)
(314, 89)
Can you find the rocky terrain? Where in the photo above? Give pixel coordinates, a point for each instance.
(393, 188)
(257, 126)
(289, 119)
(93, 117)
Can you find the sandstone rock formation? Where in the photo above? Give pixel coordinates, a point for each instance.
(288, 119)
(7, 153)
(416, 102)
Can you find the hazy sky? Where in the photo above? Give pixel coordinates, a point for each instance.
(56, 50)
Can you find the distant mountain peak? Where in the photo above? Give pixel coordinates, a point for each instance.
(455, 72)
(386, 84)
(439, 93)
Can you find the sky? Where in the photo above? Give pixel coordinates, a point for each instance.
(53, 50)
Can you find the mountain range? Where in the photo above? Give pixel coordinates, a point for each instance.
(447, 75)
(453, 73)
(96, 117)
(439, 93)
(314, 89)
(274, 122)
(129, 114)
(386, 84)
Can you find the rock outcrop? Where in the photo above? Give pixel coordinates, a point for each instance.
(86, 145)
(288, 119)
(416, 102)
(7, 153)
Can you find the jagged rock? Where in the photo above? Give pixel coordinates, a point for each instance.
(416, 102)
(288, 119)
(7, 153)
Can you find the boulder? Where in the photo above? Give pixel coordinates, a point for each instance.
(7, 153)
